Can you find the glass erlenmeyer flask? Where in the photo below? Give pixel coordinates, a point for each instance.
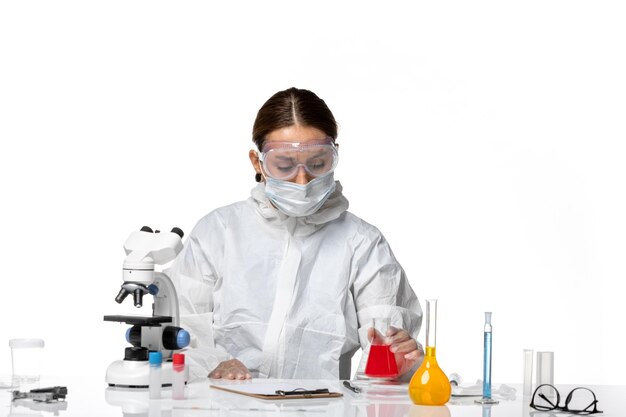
(429, 384)
(381, 362)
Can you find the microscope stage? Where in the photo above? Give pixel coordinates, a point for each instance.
(140, 320)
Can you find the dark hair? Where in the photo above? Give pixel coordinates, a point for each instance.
(290, 107)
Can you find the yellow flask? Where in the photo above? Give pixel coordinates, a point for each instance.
(430, 385)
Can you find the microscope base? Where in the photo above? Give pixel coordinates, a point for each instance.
(136, 374)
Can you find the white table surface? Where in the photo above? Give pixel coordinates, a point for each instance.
(91, 397)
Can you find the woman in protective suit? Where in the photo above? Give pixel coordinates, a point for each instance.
(286, 283)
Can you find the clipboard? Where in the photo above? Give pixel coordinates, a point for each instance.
(277, 391)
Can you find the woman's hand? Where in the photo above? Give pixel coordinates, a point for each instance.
(232, 369)
(406, 350)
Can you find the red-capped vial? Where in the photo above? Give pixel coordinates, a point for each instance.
(178, 376)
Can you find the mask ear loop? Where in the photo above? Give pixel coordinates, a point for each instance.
(259, 176)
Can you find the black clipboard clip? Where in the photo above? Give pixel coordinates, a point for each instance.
(304, 392)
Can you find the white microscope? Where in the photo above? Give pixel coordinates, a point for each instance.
(159, 332)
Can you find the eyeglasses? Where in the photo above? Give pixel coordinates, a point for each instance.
(281, 160)
(579, 401)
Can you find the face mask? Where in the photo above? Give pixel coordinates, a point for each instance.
(300, 200)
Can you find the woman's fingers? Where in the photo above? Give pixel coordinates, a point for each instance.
(374, 336)
(413, 355)
(404, 347)
(396, 336)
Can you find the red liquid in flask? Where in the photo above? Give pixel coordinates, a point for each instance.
(381, 362)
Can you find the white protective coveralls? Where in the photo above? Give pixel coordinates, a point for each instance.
(289, 297)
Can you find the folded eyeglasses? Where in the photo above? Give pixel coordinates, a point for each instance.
(580, 400)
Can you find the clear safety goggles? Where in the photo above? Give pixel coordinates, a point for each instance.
(281, 160)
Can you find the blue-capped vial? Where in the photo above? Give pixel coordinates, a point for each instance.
(155, 359)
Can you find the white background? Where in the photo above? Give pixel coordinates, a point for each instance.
(484, 138)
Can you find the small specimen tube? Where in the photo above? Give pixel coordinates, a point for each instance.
(178, 381)
(155, 359)
(528, 372)
(545, 371)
